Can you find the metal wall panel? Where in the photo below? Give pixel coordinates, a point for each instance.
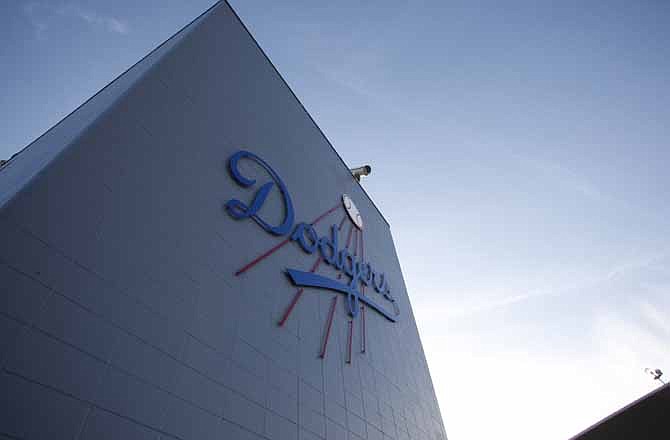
(122, 316)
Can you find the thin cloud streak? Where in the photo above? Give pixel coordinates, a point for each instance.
(620, 270)
(655, 317)
(43, 16)
(566, 178)
(111, 24)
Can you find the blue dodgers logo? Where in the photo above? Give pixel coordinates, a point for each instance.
(360, 272)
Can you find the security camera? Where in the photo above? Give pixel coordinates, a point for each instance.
(361, 171)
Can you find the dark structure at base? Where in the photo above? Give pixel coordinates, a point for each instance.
(648, 418)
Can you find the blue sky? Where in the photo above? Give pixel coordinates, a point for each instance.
(519, 151)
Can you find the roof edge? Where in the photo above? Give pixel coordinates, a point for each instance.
(246, 29)
(621, 410)
(23, 166)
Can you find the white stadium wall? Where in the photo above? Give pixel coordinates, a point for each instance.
(139, 300)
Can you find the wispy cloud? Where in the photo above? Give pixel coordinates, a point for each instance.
(43, 16)
(565, 178)
(111, 24)
(35, 14)
(627, 340)
(653, 315)
(583, 387)
(477, 302)
(636, 264)
(473, 307)
(604, 367)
